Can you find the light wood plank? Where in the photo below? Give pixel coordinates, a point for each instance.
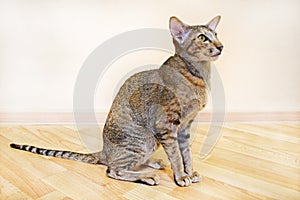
(9, 191)
(248, 183)
(26, 182)
(278, 151)
(257, 168)
(57, 195)
(79, 187)
(145, 193)
(282, 133)
(220, 190)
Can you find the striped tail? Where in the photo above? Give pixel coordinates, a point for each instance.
(94, 158)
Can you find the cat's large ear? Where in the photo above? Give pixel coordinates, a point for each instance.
(178, 29)
(213, 23)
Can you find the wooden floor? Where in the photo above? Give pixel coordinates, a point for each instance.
(250, 161)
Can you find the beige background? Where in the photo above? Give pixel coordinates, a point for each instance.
(44, 43)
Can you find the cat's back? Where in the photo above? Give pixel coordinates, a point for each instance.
(138, 81)
(133, 85)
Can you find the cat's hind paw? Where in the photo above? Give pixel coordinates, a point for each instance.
(156, 163)
(151, 180)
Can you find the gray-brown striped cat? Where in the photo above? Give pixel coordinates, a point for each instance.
(155, 108)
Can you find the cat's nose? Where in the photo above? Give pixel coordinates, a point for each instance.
(220, 48)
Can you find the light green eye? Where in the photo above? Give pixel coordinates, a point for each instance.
(202, 38)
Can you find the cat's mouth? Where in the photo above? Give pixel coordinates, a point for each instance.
(215, 57)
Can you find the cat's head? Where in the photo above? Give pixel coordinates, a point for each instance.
(196, 43)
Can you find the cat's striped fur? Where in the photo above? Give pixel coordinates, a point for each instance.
(93, 158)
(155, 108)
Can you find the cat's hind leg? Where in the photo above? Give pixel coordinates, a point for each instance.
(126, 160)
(133, 176)
(127, 167)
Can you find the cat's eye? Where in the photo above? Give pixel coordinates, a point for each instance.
(202, 38)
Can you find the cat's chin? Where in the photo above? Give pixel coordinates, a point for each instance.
(214, 58)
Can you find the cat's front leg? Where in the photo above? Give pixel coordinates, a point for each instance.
(186, 153)
(166, 123)
(172, 150)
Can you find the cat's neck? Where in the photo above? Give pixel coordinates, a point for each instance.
(200, 69)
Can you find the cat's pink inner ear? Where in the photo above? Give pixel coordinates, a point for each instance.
(178, 29)
(214, 22)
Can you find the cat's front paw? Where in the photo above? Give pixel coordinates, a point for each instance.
(183, 181)
(195, 177)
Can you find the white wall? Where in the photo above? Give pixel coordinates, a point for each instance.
(43, 45)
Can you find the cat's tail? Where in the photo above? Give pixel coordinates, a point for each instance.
(93, 158)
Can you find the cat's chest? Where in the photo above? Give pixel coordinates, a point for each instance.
(191, 92)
(191, 107)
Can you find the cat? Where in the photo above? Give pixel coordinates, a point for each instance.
(156, 107)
